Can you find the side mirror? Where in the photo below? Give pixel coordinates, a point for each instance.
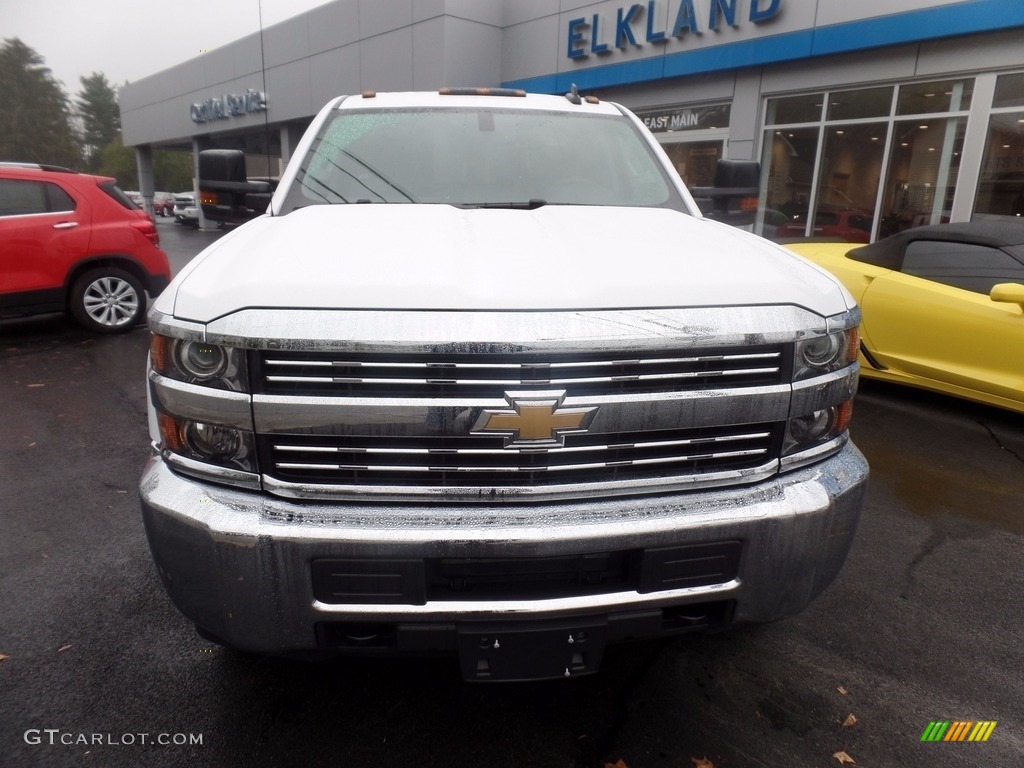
(225, 192)
(1008, 293)
(222, 165)
(738, 174)
(733, 199)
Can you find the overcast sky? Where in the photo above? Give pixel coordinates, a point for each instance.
(127, 40)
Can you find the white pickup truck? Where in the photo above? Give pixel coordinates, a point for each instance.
(484, 381)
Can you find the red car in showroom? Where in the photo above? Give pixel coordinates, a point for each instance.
(74, 243)
(846, 224)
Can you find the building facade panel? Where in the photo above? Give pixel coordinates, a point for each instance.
(877, 114)
(529, 44)
(292, 85)
(286, 42)
(472, 55)
(829, 13)
(428, 38)
(386, 61)
(487, 12)
(377, 18)
(333, 26)
(334, 73)
(515, 12)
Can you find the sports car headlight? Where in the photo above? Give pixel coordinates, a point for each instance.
(826, 353)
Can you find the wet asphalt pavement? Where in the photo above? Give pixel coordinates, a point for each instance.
(925, 622)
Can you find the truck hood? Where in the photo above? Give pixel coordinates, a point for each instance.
(438, 257)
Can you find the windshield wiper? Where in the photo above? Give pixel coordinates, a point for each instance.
(379, 175)
(529, 205)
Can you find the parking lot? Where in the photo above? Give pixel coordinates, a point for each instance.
(924, 623)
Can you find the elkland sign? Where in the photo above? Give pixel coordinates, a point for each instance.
(637, 25)
(228, 105)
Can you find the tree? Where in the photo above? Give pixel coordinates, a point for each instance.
(35, 117)
(117, 160)
(172, 170)
(101, 119)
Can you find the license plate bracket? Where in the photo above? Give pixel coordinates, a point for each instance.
(531, 650)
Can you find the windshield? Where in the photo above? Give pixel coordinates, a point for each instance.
(481, 158)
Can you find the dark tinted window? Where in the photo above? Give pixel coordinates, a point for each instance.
(114, 192)
(19, 197)
(1009, 91)
(868, 102)
(795, 109)
(58, 200)
(962, 265)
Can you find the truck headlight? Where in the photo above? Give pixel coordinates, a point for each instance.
(825, 374)
(198, 362)
(811, 433)
(821, 425)
(203, 361)
(212, 440)
(212, 444)
(202, 421)
(826, 353)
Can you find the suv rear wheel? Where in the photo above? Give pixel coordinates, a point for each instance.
(108, 300)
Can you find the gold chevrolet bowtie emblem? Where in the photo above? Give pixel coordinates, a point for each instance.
(535, 420)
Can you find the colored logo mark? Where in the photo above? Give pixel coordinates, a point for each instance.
(958, 730)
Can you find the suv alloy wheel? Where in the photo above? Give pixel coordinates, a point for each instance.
(108, 300)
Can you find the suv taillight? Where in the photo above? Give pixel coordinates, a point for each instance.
(148, 231)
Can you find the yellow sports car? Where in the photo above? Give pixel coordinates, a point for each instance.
(943, 307)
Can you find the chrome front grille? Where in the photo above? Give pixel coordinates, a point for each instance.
(465, 461)
(488, 375)
(394, 406)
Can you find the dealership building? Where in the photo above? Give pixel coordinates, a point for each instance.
(868, 116)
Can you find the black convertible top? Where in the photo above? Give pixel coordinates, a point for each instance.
(888, 252)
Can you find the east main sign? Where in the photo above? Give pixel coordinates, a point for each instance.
(636, 25)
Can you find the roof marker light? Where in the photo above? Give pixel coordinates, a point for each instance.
(517, 92)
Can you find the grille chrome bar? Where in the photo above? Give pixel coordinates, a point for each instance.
(505, 452)
(497, 468)
(560, 382)
(516, 366)
(427, 464)
(486, 374)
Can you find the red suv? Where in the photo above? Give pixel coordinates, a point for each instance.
(73, 242)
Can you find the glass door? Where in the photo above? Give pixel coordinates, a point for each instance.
(695, 160)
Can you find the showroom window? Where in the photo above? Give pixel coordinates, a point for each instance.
(694, 137)
(863, 163)
(1001, 181)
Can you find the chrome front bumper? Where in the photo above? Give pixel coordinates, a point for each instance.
(239, 563)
